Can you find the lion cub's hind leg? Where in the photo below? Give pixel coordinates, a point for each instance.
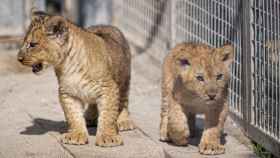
(163, 126)
(164, 119)
(124, 121)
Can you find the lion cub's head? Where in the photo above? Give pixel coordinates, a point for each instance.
(204, 71)
(44, 42)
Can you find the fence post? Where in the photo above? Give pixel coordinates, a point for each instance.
(246, 64)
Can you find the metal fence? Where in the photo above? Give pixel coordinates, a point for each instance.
(252, 26)
(146, 23)
(265, 49)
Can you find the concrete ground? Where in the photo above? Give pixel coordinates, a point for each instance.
(31, 119)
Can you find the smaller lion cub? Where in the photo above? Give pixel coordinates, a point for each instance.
(195, 81)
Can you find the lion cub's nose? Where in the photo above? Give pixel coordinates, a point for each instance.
(20, 58)
(211, 96)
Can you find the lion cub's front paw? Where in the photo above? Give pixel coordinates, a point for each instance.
(125, 125)
(75, 138)
(211, 148)
(108, 140)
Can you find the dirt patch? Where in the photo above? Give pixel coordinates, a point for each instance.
(9, 63)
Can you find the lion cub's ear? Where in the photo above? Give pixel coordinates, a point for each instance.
(37, 15)
(226, 54)
(57, 29)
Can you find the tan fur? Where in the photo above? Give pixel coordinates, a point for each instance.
(93, 70)
(191, 76)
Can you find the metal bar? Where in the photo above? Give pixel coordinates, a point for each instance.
(246, 63)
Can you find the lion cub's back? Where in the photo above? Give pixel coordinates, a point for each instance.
(118, 49)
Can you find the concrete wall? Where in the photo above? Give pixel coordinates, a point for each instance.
(11, 17)
(15, 14)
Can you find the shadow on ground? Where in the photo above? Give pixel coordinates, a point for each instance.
(42, 126)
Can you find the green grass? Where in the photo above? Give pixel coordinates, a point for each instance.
(261, 152)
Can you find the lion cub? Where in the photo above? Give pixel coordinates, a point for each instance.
(195, 81)
(93, 70)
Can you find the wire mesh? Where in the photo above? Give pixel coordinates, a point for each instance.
(145, 24)
(265, 34)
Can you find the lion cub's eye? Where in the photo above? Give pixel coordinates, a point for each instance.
(32, 45)
(220, 76)
(200, 78)
(184, 62)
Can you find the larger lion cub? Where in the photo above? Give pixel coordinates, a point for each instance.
(195, 80)
(93, 70)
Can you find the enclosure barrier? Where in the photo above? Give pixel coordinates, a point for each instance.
(252, 26)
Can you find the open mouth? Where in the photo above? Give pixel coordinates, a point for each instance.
(37, 67)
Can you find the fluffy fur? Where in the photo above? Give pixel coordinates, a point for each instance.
(195, 80)
(93, 70)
